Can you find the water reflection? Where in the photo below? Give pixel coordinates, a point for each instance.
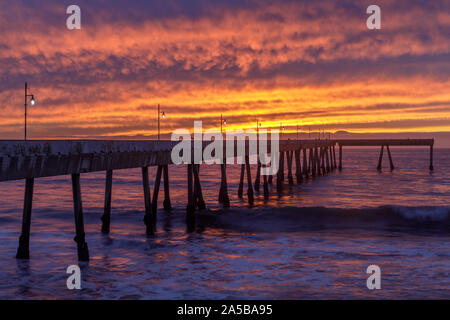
(313, 240)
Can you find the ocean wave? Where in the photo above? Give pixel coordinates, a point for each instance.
(423, 213)
(291, 219)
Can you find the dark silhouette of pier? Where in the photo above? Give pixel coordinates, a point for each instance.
(35, 159)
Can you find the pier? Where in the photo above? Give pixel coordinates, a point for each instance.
(28, 160)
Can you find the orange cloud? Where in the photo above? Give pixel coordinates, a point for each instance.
(312, 63)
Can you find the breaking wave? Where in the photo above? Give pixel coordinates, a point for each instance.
(291, 219)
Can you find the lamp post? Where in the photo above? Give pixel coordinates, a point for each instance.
(163, 115)
(258, 125)
(222, 122)
(32, 102)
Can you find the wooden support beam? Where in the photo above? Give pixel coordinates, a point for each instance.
(317, 162)
(305, 164)
(327, 158)
(198, 194)
(148, 219)
(196, 198)
(241, 182)
(334, 156)
(280, 179)
(223, 192)
(312, 161)
(190, 209)
(340, 157)
(249, 182)
(289, 155)
(23, 251)
(156, 192)
(380, 142)
(330, 149)
(282, 161)
(258, 176)
(167, 204)
(322, 161)
(266, 187)
(390, 158)
(318, 158)
(380, 159)
(80, 237)
(298, 167)
(431, 158)
(106, 218)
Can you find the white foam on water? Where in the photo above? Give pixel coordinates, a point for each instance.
(423, 213)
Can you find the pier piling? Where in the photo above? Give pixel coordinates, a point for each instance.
(198, 194)
(391, 163)
(166, 204)
(258, 176)
(298, 167)
(266, 187)
(317, 159)
(431, 158)
(280, 175)
(223, 192)
(330, 150)
(156, 192)
(381, 158)
(334, 157)
(241, 182)
(327, 158)
(323, 166)
(148, 219)
(23, 251)
(250, 194)
(190, 209)
(106, 218)
(305, 164)
(289, 155)
(80, 237)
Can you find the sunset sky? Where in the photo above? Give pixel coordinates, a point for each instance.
(314, 63)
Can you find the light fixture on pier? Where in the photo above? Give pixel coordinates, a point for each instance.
(222, 123)
(161, 114)
(32, 102)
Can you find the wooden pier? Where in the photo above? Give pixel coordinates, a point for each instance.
(27, 160)
(386, 143)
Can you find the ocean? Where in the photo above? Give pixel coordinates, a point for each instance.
(313, 241)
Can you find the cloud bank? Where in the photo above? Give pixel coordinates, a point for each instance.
(312, 63)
